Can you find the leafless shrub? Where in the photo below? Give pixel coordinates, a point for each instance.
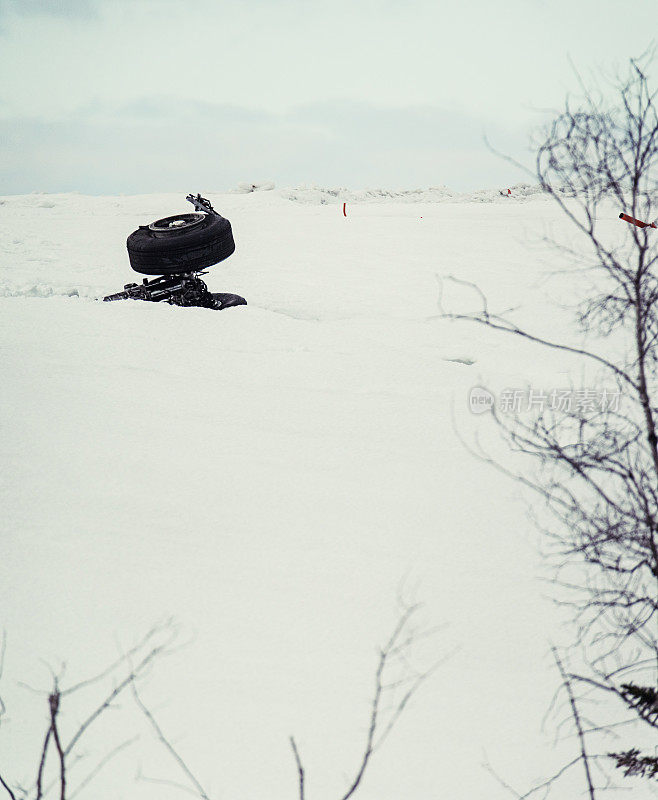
(395, 683)
(395, 679)
(121, 675)
(596, 468)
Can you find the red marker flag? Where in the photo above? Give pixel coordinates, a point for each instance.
(637, 222)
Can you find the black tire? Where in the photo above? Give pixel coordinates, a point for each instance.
(181, 243)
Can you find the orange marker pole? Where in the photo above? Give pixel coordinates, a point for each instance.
(637, 222)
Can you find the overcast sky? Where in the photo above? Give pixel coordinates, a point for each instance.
(132, 96)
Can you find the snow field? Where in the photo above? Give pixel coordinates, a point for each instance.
(269, 476)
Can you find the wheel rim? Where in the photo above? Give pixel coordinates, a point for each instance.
(168, 226)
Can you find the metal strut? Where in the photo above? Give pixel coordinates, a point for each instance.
(185, 289)
(201, 204)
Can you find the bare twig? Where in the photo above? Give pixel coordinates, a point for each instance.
(384, 656)
(65, 753)
(547, 784)
(127, 681)
(395, 651)
(577, 722)
(53, 702)
(402, 704)
(157, 629)
(103, 762)
(300, 768)
(6, 787)
(42, 762)
(159, 733)
(165, 782)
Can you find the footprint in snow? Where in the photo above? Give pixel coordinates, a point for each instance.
(467, 361)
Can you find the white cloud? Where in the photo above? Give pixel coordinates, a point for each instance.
(165, 144)
(83, 9)
(290, 90)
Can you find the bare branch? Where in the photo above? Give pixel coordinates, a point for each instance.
(155, 630)
(9, 791)
(300, 769)
(498, 323)
(377, 696)
(53, 702)
(42, 762)
(395, 652)
(545, 785)
(165, 782)
(127, 681)
(159, 733)
(105, 760)
(577, 722)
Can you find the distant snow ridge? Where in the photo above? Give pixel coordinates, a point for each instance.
(245, 187)
(316, 195)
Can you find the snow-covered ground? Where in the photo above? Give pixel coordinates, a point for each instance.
(269, 476)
